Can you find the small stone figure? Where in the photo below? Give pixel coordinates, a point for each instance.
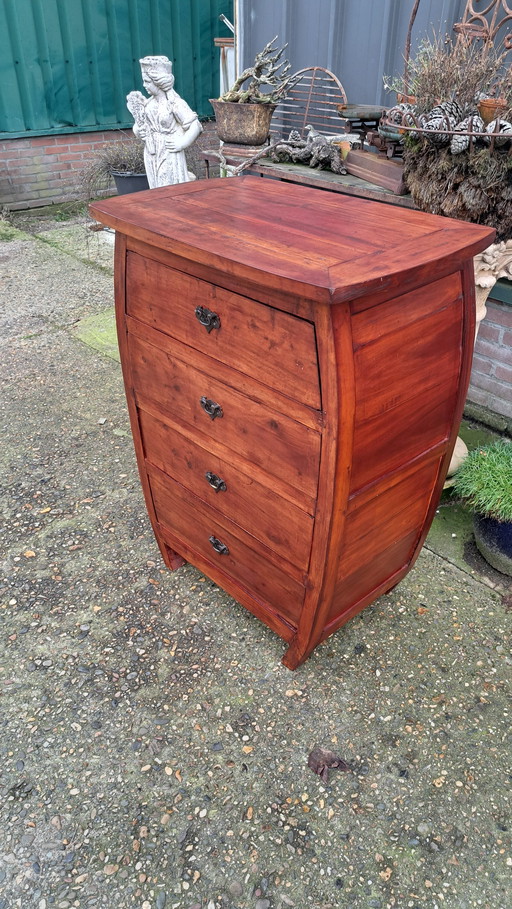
(165, 122)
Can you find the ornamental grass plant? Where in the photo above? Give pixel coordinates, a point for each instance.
(121, 156)
(484, 480)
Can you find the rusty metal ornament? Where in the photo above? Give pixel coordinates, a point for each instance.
(484, 24)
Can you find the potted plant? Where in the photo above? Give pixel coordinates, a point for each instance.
(455, 164)
(122, 161)
(484, 482)
(243, 113)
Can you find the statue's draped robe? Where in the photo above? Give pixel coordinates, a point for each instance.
(166, 118)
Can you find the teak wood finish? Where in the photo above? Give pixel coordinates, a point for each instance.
(296, 365)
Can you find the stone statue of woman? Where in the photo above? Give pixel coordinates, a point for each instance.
(165, 122)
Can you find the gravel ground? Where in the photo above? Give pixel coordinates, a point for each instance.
(153, 748)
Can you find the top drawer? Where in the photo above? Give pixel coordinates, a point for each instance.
(274, 347)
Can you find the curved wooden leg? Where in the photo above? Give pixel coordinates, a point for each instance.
(172, 559)
(295, 657)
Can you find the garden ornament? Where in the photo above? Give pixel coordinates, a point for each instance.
(165, 122)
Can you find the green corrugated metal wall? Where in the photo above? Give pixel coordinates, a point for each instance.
(67, 65)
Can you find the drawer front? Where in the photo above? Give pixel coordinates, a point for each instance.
(279, 445)
(268, 517)
(228, 547)
(271, 346)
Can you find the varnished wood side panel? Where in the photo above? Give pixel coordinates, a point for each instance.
(468, 314)
(194, 522)
(360, 589)
(407, 377)
(376, 319)
(271, 519)
(406, 363)
(400, 435)
(276, 348)
(277, 444)
(395, 508)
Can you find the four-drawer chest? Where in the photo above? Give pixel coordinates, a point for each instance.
(295, 364)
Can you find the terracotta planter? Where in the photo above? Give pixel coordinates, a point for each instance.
(405, 99)
(242, 124)
(490, 108)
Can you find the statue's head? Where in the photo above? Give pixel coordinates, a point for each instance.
(159, 71)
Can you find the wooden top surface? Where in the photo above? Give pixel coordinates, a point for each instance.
(324, 246)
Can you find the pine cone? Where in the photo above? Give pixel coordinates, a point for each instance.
(502, 130)
(438, 123)
(449, 109)
(472, 124)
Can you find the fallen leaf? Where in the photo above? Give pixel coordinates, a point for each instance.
(320, 761)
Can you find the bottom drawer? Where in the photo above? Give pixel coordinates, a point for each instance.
(225, 545)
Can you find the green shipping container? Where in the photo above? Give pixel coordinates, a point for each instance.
(67, 65)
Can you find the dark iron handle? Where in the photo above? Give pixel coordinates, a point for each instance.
(210, 407)
(215, 482)
(219, 547)
(209, 319)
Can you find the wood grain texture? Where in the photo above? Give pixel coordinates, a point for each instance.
(377, 169)
(194, 522)
(268, 438)
(340, 371)
(319, 246)
(268, 517)
(276, 348)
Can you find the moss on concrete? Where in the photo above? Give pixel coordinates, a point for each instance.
(99, 332)
(8, 232)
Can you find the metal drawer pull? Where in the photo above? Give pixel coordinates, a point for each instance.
(209, 319)
(215, 482)
(210, 407)
(219, 547)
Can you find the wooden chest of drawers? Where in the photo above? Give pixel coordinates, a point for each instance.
(295, 366)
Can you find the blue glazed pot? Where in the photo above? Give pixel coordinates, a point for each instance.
(494, 541)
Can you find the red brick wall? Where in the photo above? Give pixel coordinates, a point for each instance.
(46, 169)
(491, 377)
